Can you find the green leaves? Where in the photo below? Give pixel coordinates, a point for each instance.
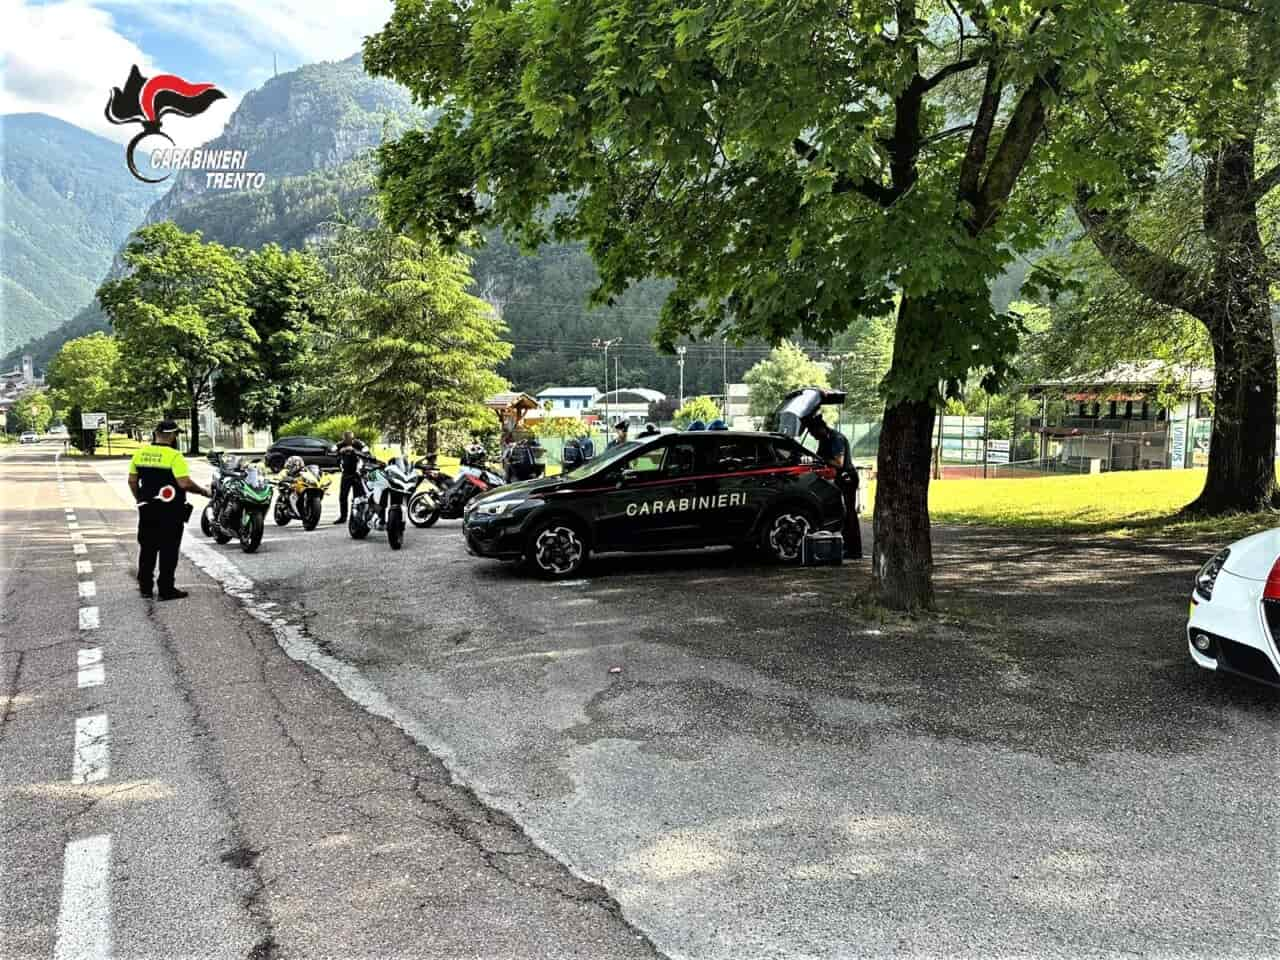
(403, 344)
(180, 315)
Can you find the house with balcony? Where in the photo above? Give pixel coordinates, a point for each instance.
(1133, 416)
(568, 401)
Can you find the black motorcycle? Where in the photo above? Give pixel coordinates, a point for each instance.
(473, 479)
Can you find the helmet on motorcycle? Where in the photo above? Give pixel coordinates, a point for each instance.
(474, 455)
(294, 464)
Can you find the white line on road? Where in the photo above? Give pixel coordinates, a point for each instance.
(89, 619)
(88, 589)
(92, 760)
(79, 548)
(84, 566)
(84, 922)
(91, 672)
(77, 535)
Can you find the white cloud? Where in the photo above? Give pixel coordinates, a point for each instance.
(63, 58)
(301, 31)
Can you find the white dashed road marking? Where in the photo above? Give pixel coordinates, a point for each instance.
(92, 761)
(90, 673)
(89, 619)
(84, 566)
(84, 922)
(79, 548)
(88, 589)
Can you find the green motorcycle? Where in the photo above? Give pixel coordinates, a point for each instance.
(242, 499)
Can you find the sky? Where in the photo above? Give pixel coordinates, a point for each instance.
(63, 57)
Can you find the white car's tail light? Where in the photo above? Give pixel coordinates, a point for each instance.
(1208, 575)
(1272, 591)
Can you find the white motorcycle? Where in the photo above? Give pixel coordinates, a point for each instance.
(381, 498)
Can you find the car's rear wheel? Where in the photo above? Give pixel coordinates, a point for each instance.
(556, 549)
(782, 537)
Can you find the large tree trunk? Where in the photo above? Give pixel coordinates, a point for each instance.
(902, 551)
(195, 429)
(1242, 446)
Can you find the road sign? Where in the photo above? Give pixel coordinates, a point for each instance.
(92, 421)
(997, 451)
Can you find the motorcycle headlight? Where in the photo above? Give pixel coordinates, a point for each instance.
(1208, 574)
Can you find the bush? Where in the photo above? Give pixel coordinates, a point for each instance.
(298, 427)
(331, 429)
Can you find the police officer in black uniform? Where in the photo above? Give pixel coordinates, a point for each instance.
(833, 450)
(349, 457)
(159, 481)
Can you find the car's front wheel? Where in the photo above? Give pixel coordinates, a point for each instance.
(782, 537)
(556, 549)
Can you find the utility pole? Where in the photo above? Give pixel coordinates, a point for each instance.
(605, 345)
(680, 360)
(724, 373)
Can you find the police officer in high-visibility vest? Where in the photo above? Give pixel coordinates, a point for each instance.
(160, 481)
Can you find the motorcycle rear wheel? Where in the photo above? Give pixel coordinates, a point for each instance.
(251, 531)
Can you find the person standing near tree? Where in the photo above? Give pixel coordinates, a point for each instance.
(833, 450)
(349, 451)
(159, 481)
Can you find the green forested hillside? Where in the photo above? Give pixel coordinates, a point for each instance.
(68, 203)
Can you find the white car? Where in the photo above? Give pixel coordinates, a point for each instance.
(28, 437)
(1235, 610)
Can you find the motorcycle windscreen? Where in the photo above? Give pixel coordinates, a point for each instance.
(798, 406)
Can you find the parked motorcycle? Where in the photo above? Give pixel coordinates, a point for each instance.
(381, 498)
(238, 508)
(424, 504)
(473, 479)
(299, 491)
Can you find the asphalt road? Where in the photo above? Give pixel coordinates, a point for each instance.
(774, 769)
(175, 785)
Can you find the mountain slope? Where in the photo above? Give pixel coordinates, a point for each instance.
(68, 203)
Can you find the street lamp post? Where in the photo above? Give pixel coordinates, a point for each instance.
(680, 351)
(605, 345)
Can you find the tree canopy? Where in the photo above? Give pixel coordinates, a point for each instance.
(787, 168)
(86, 374)
(180, 314)
(404, 345)
(787, 368)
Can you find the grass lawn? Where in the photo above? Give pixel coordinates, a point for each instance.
(120, 446)
(1124, 503)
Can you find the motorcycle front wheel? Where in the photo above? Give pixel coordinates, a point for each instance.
(251, 526)
(395, 526)
(420, 514)
(356, 524)
(282, 517)
(205, 526)
(311, 510)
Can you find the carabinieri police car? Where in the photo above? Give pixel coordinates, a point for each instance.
(1234, 625)
(664, 492)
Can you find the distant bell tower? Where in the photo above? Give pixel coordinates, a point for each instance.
(28, 369)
